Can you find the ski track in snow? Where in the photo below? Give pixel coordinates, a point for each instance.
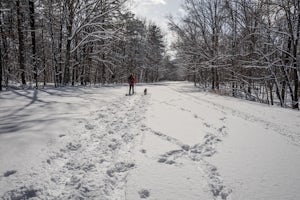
(95, 164)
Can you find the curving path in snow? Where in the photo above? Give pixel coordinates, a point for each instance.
(238, 149)
(175, 143)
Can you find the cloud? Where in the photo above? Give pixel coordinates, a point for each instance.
(159, 1)
(150, 2)
(181, 12)
(156, 11)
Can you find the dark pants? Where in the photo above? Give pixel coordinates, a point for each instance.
(131, 87)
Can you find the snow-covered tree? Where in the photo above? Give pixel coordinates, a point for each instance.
(76, 42)
(244, 48)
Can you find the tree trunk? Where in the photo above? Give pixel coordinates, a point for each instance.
(217, 79)
(75, 67)
(70, 19)
(1, 58)
(295, 63)
(103, 72)
(283, 90)
(21, 42)
(1, 64)
(232, 84)
(194, 77)
(4, 57)
(53, 54)
(82, 74)
(271, 93)
(296, 82)
(213, 78)
(44, 55)
(59, 74)
(33, 42)
(67, 64)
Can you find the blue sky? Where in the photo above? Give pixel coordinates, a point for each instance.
(157, 11)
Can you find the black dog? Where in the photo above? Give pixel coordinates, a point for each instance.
(145, 91)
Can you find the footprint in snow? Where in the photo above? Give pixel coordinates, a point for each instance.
(143, 151)
(119, 168)
(185, 147)
(162, 160)
(9, 172)
(144, 193)
(166, 161)
(100, 116)
(168, 158)
(22, 193)
(207, 125)
(222, 128)
(223, 118)
(89, 127)
(113, 146)
(73, 147)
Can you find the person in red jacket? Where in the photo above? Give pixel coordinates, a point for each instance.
(131, 81)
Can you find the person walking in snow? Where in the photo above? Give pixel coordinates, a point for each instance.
(131, 81)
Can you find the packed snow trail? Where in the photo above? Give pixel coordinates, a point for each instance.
(95, 164)
(257, 146)
(88, 161)
(176, 168)
(174, 143)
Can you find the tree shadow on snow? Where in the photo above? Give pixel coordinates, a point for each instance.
(14, 120)
(17, 118)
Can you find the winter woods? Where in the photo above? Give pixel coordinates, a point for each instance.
(245, 48)
(73, 42)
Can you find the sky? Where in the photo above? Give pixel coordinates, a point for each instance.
(157, 12)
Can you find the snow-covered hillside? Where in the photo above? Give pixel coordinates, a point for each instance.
(174, 143)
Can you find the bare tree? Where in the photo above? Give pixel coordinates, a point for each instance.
(249, 46)
(33, 41)
(21, 41)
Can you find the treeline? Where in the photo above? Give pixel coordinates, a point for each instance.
(69, 42)
(245, 48)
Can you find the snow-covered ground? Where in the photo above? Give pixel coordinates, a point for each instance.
(174, 143)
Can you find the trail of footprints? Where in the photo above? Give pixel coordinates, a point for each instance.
(90, 166)
(93, 163)
(197, 153)
(293, 135)
(115, 122)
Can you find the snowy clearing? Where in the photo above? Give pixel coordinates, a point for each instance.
(174, 143)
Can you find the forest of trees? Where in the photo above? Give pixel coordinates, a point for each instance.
(244, 48)
(71, 42)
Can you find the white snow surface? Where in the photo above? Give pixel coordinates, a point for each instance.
(174, 143)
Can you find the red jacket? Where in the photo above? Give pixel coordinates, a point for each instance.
(132, 80)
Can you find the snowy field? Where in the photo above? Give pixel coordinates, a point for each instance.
(174, 143)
